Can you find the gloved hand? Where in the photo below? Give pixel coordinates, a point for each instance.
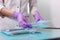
(37, 16)
(22, 20)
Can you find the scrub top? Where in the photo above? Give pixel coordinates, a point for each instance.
(14, 5)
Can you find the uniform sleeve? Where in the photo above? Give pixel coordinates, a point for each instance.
(32, 3)
(1, 2)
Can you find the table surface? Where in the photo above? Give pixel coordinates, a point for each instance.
(47, 34)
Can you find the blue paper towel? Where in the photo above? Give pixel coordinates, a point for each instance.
(40, 24)
(36, 36)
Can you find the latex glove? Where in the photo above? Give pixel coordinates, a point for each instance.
(22, 20)
(37, 16)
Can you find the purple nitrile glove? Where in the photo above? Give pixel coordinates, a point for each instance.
(22, 20)
(37, 16)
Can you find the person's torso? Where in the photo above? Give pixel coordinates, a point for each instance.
(14, 5)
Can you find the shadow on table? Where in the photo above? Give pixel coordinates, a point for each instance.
(54, 39)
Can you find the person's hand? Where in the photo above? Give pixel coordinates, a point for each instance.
(37, 16)
(22, 20)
